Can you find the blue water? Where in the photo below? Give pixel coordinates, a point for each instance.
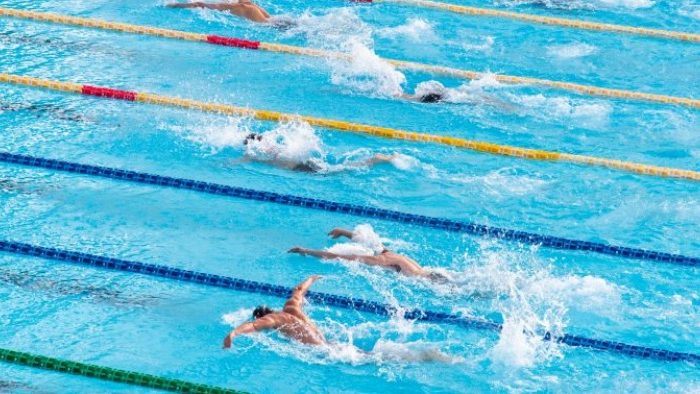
(175, 330)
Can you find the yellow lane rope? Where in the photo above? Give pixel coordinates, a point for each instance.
(289, 49)
(478, 146)
(548, 20)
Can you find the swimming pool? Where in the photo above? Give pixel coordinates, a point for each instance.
(174, 329)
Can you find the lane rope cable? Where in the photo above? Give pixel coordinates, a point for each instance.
(378, 131)
(351, 209)
(108, 374)
(546, 20)
(290, 49)
(350, 303)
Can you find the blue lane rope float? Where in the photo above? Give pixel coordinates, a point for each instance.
(351, 303)
(351, 209)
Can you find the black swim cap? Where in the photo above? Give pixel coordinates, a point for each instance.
(252, 136)
(261, 311)
(432, 98)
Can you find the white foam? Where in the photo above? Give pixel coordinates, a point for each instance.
(333, 29)
(585, 112)
(234, 319)
(690, 10)
(351, 248)
(631, 4)
(584, 4)
(571, 51)
(365, 235)
(415, 29)
(485, 45)
(294, 142)
(341, 29)
(366, 72)
(587, 293)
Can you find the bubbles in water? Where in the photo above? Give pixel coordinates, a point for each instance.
(582, 4)
(585, 112)
(333, 29)
(415, 29)
(485, 45)
(571, 51)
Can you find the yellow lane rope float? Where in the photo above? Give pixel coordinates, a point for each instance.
(546, 20)
(385, 132)
(281, 48)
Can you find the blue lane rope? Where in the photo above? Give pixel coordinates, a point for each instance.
(324, 298)
(351, 209)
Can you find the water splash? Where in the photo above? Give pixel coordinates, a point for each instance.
(581, 4)
(589, 113)
(415, 30)
(484, 46)
(571, 51)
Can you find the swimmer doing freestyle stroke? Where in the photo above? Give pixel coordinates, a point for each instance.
(293, 322)
(272, 155)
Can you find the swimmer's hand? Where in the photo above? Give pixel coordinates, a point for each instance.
(228, 341)
(298, 250)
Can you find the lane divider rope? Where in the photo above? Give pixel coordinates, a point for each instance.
(351, 209)
(378, 131)
(108, 374)
(290, 49)
(325, 298)
(546, 20)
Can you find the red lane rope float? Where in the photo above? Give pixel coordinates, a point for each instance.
(117, 94)
(233, 42)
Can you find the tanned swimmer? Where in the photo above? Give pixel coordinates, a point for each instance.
(243, 8)
(290, 321)
(386, 259)
(296, 325)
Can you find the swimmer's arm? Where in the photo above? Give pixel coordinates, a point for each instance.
(248, 328)
(302, 288)
(369, 260)
(199, 4)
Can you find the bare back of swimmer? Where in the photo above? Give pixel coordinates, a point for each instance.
(387, 259)
(291, 321)
(244, 8)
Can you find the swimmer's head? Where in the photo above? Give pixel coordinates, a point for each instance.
(261, 311)
(431, 98)
(252, 137)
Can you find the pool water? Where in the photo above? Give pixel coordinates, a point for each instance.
(175, 330)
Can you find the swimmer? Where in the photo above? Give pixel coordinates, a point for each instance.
(243, 8)
(428, 98)
(433, 92)
(272, 156)
(293, 323)
(41, 109)
(290, 321)
(32, 281)
(386, 259)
